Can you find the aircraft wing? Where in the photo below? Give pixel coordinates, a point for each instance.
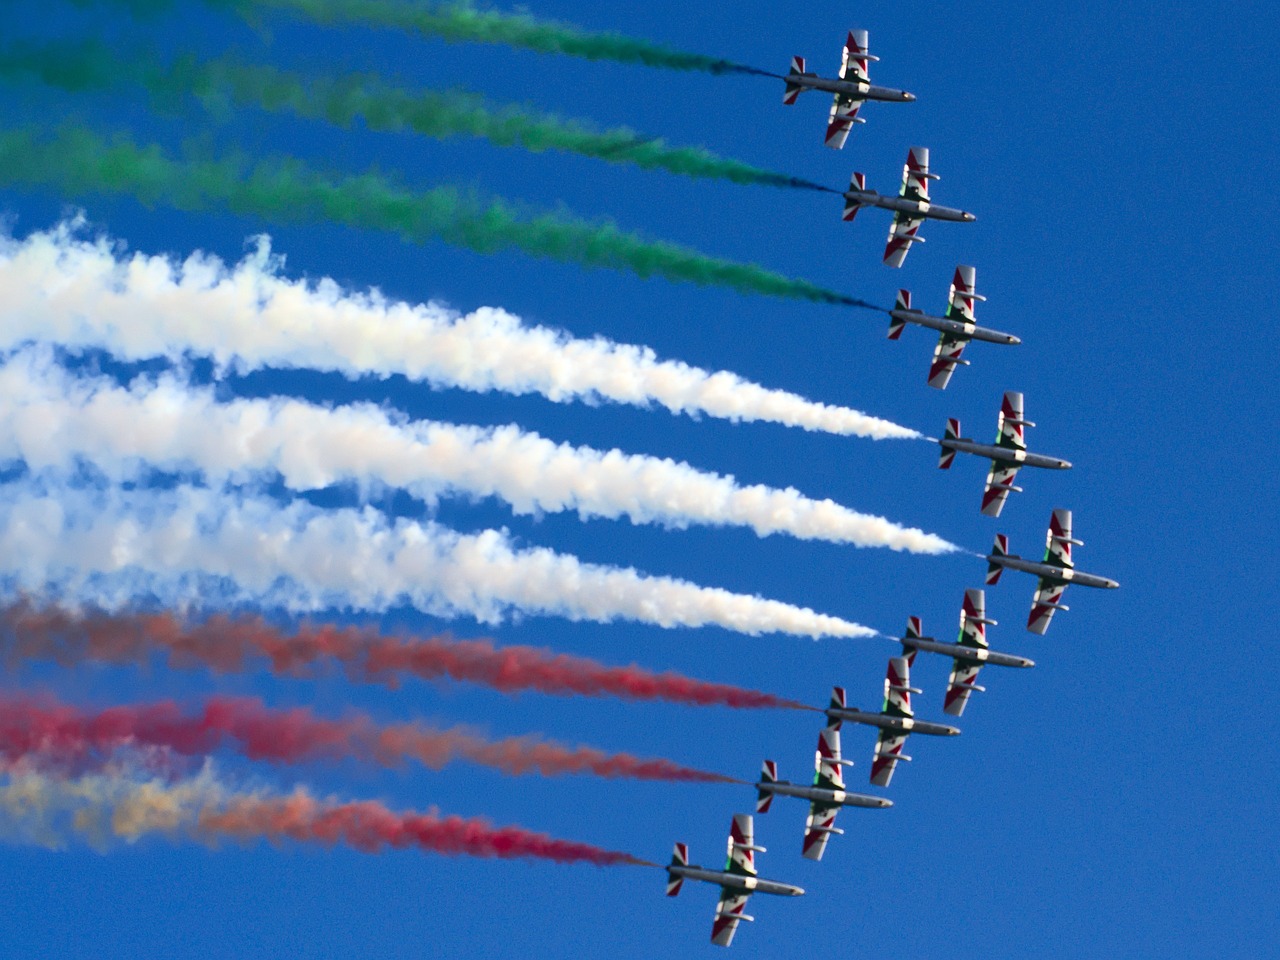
(888, 753)
(818, 828)
(827, 762)
(963, 680)
(946, 357)
(999, 482)
(844, 113)
(902, 233)
(1048, 596)
(729, 913)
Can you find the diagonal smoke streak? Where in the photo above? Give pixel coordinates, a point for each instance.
(378, 105)
(197, 547)
(64, 735)
(74, 160)
(53, 420)
(55, 287)
(233, 645)
(121, 805)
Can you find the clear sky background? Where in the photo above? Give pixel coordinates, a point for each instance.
(1121, 797)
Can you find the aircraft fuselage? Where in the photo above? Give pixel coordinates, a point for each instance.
(957, 327)
(735, 881)
(849, 88)
(959, 651)
(1006, 454)
(887, 722)
(916, 208)
(823, 795)
(1053, 574)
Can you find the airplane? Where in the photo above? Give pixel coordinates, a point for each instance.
(738, 880)
(896, 720)
(827, 795)
(911, 206)
(851, 90)
(1056, 571)
(970, 652)
(1008, 454)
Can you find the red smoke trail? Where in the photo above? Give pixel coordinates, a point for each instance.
(64, 734)
(227, 644)
(371, 827)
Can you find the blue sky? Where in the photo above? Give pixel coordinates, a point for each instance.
(1122, 793)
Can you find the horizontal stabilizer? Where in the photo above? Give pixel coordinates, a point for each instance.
(673, 885)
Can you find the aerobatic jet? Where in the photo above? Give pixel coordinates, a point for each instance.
(958, 326)
(826, 796)
(738, 880)
(895, 720)
(851, 90)
(970, 652)
(911, 206)
(1008, 454)
(1056, 571)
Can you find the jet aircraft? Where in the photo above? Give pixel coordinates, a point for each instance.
(970, 652)
(911, 206)
(896, 720)
(1008, 454)
(1056, 571)
(958, 326)
(826, 796)
(738, 880)
(851, 90)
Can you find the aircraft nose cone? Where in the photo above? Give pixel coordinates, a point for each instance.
(1015, 340)
(1113, 585)
(885, 803)
(797, 891)
(1064, 464)
(969, 218)
(908, 97)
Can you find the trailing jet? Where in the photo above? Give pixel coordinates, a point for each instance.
(912, 205)
(958, 326)
(895, 720)
(1008, 454)
(738, 879)
(970, 652)
(827, 795)
(851, 90)
(1055, 572)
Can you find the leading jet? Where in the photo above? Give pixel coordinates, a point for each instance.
(896, 720)
(826, 796)
(851, 90)
(1056, 571)
(1007, 454)
(958, 327)
(912, 205)
(738, 880)
(970, 652)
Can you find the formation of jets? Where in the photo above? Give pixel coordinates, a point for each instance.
(896, 720)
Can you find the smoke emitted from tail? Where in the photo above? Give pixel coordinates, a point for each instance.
(194, 547)
(237, 644)
(284, 190)
(51, 419)
(65, 735)
(377, 104)
(57, 288)
(120, 805)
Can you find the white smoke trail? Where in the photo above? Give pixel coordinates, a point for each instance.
(50, 419)
(196, 547)
(57, 287)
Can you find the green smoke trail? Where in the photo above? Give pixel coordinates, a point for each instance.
(285, 190)
(460, 22)
(341, 100)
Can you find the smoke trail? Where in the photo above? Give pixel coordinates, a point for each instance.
(341, 100)
(57, 288)
(35, 807)
(51, 419)
(66, 735)
(76, 161)
(232, 645)
(188, 546)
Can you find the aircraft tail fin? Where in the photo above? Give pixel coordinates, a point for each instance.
(793, 89)
(857, 183)
(679, 858)
(896, 326)
(768, 774)
(999, 549)
(948, 454)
